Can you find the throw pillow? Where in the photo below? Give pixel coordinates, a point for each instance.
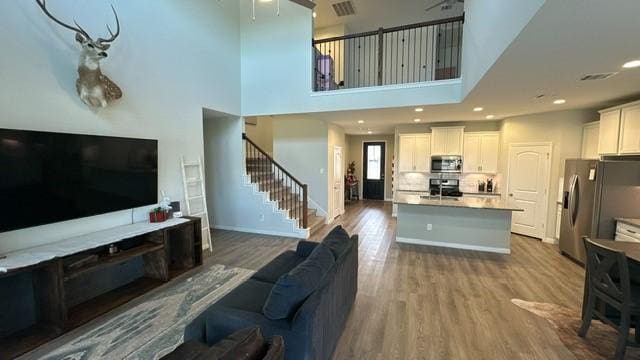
(338, 241)
(293, 287)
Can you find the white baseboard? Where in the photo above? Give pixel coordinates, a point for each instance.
(550, 240)
(304, 235)
(453, 245)
(388, 199)
(319, 211)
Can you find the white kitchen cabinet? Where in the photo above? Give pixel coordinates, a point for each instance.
(414, 153)
(481, 151)
(609, 132)
(447, 140)
(590, 136)
(630, 130)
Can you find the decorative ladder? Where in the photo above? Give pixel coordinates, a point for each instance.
(289, 193)
(195, 195)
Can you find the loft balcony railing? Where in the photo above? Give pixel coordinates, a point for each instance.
(427, 51)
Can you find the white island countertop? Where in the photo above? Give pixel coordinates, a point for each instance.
(460, 202)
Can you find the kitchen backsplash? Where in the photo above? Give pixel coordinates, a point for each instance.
(468, 182)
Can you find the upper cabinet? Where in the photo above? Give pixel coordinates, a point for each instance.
(609, 132)
(414, 153)
(481, 152)
(590, 138)
(620, 130)
(447, 140)
(630, 130)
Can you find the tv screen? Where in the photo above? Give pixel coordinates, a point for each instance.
(51, 177)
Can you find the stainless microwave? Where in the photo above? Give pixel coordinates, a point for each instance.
(446, 164)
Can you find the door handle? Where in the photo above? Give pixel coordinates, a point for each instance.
(511, 195)
(573, 209)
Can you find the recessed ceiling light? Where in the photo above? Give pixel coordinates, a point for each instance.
(419, 109)
(369, 132)
(417, 120)
(477, 109)
(631, 64)
(360, 121)
(490, 116)
(314, 13)
(559, 101)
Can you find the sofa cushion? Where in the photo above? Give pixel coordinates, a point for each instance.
(338, 241)
(282, 264)
(276, 349)
(249, 296)
(293, 287)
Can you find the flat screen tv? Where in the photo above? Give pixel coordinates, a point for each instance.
(50, 177)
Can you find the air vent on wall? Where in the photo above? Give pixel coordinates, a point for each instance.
(344, 8)
(600, 76)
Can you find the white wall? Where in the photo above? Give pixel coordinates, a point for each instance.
(277, 70)
(233, 203)
(300, 145)
(563, 129)
(171, 60)
(489, 27)
(261, 133)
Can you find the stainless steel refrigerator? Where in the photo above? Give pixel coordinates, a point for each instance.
(594, 194)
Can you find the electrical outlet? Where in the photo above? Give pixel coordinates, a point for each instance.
(429, 227)
(321, 170)
(261, 217)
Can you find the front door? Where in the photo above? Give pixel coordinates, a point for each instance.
(529, 167)
(373, 170)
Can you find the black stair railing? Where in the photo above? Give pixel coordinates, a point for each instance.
(290, 193)
(405, 54)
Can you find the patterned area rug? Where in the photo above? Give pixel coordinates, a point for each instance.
(150, 326)
(600, 342)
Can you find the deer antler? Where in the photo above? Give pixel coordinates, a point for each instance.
(113, 36)
(77, 29)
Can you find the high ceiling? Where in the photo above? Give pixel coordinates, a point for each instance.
(372, 14)
(565, 40)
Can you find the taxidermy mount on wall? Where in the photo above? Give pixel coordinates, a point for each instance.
(94, 88)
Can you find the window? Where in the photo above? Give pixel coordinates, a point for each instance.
(373, 162)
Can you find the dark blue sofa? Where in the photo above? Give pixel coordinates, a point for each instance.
(314, 328)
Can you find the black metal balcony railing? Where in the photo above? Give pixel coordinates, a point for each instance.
(405, 54)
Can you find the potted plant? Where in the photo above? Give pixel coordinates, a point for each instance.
(158, 214)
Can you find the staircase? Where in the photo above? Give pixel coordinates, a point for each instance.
(283, 189)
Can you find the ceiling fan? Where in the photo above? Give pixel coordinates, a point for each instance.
(444, 5)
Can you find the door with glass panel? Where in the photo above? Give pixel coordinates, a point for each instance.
(373, 170)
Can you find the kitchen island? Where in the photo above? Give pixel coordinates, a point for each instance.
(482, 224)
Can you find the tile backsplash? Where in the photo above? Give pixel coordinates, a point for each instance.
(468, 182)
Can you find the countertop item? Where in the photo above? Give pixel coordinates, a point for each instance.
(462, 202)
(632, 222)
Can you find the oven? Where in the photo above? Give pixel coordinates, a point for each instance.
(446, 164)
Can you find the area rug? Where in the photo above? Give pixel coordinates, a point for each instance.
(152, 325)
(600, 342)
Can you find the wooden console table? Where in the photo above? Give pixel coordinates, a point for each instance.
(57, 291)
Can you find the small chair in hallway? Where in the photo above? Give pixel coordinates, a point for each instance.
(608, 284)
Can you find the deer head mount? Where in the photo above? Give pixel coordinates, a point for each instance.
(94, 88)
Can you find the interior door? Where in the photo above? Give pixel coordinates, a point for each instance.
(528, 179)
(338, 181)
(373, 170)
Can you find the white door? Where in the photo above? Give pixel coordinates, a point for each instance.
(338, 182)
(528, 179)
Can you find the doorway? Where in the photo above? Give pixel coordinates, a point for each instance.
(373, 170)
(528, 187)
